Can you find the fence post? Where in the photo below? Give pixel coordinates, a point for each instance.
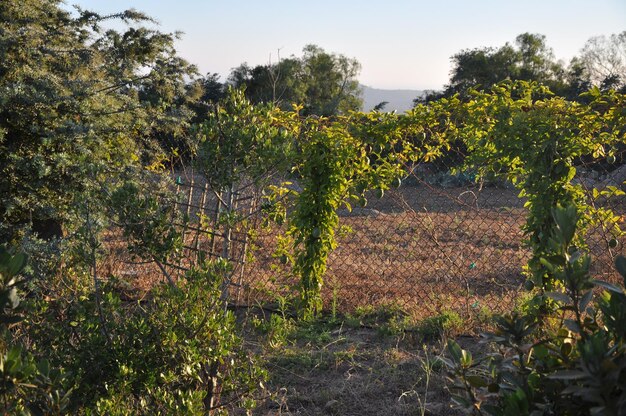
(226, 242)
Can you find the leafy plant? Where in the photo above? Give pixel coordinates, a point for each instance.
(520, 130)
(27, 385)
(149, 222)
(440, 325)
(240, 141)
(341, 159)
(176, 353)
(79, 102)
(576, 367)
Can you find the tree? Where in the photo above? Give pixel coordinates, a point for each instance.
(576, 80)
(324, 83)
(78, 103)
(604, 60)
(482, 66)
(529, 59)
(212, 89)
(535, 59)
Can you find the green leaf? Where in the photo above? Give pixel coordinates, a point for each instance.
(466, 358)
(547, 264)
(476, 381)
(461, 401)
(566, 219)
(455, 351)
(559, 297)
(584, 301)
(568, 375)
(5, 257)
(17, 264)
(608, 286)
(44, 367)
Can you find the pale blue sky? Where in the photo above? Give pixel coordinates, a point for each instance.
(399, 43)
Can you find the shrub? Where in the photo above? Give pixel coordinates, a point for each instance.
(27, 385)
(575, 367)
(176, 352)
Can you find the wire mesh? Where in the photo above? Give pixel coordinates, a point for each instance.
(438, 242)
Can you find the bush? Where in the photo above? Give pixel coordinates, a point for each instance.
(575, 367)
(27, 385)
(177, 352)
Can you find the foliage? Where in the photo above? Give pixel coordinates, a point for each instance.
(340, 159)
(529, 59)
(240, 141)
(176, 352)
(519, 130)
(27, 385)
(323, 83)
(78, 102)
(331, 158)
(148, 221)
(441, 325)
(576, 367)
(601, 63)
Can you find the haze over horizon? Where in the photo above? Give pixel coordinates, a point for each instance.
(401, 44)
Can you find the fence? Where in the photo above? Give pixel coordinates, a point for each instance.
(438, 242)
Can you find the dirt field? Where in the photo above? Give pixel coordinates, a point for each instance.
(428, 249)
(422, 248)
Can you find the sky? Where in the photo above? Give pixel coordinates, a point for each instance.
(401, 44)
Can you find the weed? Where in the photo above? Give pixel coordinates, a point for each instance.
(317, 331)
(429, 365)
(278, 326)
(442, 325)
(387, 319)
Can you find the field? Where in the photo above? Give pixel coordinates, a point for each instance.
(421, 248)
(348, 369)
(426, 249)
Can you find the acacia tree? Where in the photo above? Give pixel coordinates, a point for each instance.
(77, 102)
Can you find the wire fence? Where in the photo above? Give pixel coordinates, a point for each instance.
(438, 242)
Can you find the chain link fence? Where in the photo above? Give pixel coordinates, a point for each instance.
(438, 242)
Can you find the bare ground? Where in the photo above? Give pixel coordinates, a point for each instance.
(337, 369)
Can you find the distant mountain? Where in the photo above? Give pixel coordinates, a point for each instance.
(399, 100)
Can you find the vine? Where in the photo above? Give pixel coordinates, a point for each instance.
(533, 138)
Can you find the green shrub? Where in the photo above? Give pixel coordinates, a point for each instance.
(176, 352)
(575, 367)
(439, 325)
(27, 385)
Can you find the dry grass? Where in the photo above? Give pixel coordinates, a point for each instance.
(337, 370)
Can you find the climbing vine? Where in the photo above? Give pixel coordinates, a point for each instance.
(340, 160)
(521, 131)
